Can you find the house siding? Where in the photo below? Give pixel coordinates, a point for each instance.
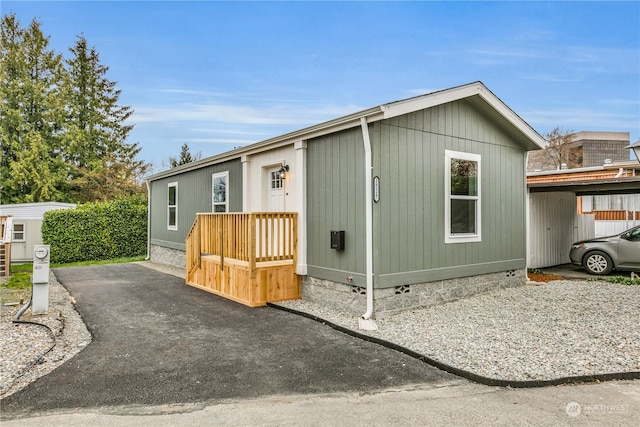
(335, 201)
(408, 156)
(31, 216)
(194, 196)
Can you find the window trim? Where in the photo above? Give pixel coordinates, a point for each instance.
(173, 227)
(224, 174)
(24, 232)
(466, 237)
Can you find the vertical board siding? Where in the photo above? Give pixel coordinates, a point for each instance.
(335, 200)
(194, 195)
(409, 219)
(552, 228)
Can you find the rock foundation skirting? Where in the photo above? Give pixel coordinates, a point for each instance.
(406, 297)
(168, 256)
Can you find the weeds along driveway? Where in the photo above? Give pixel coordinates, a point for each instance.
(158, 341)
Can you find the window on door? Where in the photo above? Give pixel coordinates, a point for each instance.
(276, 180)
(462, 193)
(172, 206)
(220, 192)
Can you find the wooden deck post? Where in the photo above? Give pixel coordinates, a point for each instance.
(252, 245)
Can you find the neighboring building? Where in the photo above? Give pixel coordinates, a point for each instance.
(429, 191)
(588, 149)
(27, 221)
(576, 204)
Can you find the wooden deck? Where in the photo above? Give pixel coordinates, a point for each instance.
(249, 258)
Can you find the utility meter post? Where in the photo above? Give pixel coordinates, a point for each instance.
(40, 280)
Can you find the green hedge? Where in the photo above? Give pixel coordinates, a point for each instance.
(97, 231)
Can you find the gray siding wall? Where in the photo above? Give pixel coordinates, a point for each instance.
(335, 201)
(409, 157)
(194, 196)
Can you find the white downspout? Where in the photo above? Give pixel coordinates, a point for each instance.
(365, 322)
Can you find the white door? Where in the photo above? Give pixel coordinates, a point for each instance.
(275, 190)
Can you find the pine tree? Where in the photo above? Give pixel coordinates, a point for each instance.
(31, 169)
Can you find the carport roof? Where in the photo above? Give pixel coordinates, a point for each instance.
(623, 185)
(616, 178)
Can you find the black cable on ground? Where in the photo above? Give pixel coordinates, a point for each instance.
(17, 321)
(463, 373)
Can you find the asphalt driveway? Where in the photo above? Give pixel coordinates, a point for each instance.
(157, 341)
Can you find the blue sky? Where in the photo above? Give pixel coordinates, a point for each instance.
(217, 75)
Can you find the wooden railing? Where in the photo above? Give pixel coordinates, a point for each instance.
(252, 237)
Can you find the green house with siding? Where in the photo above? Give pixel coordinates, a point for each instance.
(403, 205)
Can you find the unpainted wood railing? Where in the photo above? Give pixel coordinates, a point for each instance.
(252, 237)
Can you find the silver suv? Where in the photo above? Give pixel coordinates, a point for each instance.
(603, 254)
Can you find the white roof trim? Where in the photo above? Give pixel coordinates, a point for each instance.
(461, 92)
(381, 112)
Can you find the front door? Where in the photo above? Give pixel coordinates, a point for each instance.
(275, 190)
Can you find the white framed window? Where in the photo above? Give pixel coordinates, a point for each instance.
(276, 180)
(220, 195)
(462, 197)
(172, 206)
(19, 232)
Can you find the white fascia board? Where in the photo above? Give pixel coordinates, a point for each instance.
(381, 112)
(411, 105)
(429, 100)
(315, 131)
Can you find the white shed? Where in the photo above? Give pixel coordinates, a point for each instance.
(27, 220)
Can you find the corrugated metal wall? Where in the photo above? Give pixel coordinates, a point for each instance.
(194, 195)
(553, 227)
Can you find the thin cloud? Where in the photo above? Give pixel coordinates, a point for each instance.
(235, 142)
(551, 78)
(581, 119)
(274, 114)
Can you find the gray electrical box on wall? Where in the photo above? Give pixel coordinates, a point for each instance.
(337, 240)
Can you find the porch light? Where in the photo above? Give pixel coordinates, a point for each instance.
(283, 171)
(636, 149)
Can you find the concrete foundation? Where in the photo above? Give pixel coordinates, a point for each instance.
(406, 297)
(352, 299)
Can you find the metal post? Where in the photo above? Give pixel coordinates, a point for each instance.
(40, 280)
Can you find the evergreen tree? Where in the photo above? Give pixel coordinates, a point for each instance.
(185, 157)
(102, 163)
(31, 168)
(62, 130)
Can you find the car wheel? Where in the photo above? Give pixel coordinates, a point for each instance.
(597, 262)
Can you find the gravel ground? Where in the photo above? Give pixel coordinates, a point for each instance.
(549, 331)
(27, 352)
(535, 332)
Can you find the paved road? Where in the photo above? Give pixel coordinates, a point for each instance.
(159, 342)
